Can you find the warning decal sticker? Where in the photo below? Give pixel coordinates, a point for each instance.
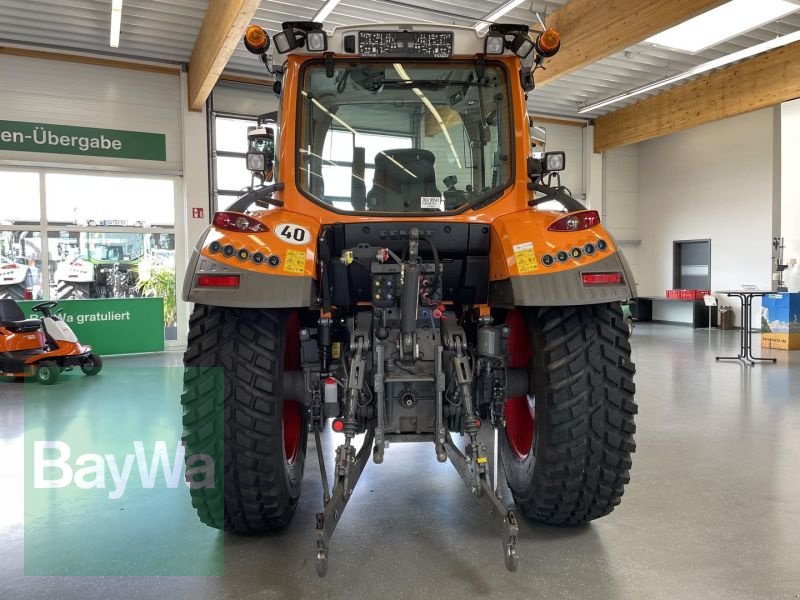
(295, 261)
(526, 259)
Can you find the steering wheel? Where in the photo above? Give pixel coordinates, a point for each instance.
(44, 308)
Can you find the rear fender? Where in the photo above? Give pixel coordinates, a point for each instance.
(525, 269)
(276, 268)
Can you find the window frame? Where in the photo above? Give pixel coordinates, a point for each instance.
(488, 199)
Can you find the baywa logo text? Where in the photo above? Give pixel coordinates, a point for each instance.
(54, 469)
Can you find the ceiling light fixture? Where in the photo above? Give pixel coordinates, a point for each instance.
(484, 23)
(705, 67)
(116, 22)
(722, 23)
(323, 12)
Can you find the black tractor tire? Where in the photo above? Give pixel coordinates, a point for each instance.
(47, 372)
(234, 410)
(92, 365)
(569, 463)
(15, 291)
(69, 290)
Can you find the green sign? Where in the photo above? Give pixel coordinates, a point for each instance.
(114, 325)
(82, 141)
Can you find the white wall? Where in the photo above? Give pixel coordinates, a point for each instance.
(790, 190)
(570, 140)
(620, 205)
(713, 182)
(64, 93)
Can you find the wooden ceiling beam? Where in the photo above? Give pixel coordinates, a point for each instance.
(223, 28)
(759, 82)
(594, 29)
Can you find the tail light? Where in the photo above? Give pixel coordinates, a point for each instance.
(230, 281)
(577, 221)
(12, 266)
(602, 278)
(234, 221)
(28, 294)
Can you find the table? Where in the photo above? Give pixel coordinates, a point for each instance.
(746, 338)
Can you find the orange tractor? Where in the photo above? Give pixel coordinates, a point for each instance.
(406, 269)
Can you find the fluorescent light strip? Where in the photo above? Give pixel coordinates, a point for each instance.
(493, 16)
(116, 23)
(326, 10)
(404, 75)
(722, 23)
(705, 67)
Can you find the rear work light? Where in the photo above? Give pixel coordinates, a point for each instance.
(602, 278)
(234, 221)
(231, 281)
(577, 221)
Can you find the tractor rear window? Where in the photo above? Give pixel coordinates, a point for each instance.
(392, 137)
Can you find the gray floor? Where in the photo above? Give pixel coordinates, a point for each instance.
(713, 510)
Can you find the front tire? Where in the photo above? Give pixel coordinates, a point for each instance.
(92, 365)
(568, 444)
(235, 411)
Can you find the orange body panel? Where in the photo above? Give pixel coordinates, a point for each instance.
(64, 349)
(512, 233)
(270, 243)
(15, 342)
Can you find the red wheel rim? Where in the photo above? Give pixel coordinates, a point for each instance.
(520, 411)
(292, 415)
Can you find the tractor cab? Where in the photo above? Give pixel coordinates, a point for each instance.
(402, 120)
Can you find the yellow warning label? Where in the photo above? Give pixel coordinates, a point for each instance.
(336, 350)
(526, 259)
(295, 261)
(482, 460)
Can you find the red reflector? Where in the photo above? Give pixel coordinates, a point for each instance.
(602, 278)
(577, 221)
(28, 294)
(218, 281)
(337, 425)
(234, 221)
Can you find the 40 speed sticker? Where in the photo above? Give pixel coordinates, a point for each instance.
(292, 234)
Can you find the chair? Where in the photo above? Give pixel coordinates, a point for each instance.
(402, 178)
(13, 319)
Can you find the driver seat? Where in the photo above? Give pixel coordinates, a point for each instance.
(13, 319)
(402, 177)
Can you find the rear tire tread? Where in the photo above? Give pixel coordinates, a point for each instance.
(583, 465)
(253, 494)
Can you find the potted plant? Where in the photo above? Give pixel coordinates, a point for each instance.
(161, 283)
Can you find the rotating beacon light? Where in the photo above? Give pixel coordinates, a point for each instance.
(256, 39)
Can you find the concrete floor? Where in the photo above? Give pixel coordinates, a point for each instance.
(713, 510)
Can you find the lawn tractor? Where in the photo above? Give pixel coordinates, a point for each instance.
(41, 348)
(397, 276)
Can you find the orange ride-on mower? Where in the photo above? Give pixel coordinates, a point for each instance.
(406, 268)
(40, 348)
